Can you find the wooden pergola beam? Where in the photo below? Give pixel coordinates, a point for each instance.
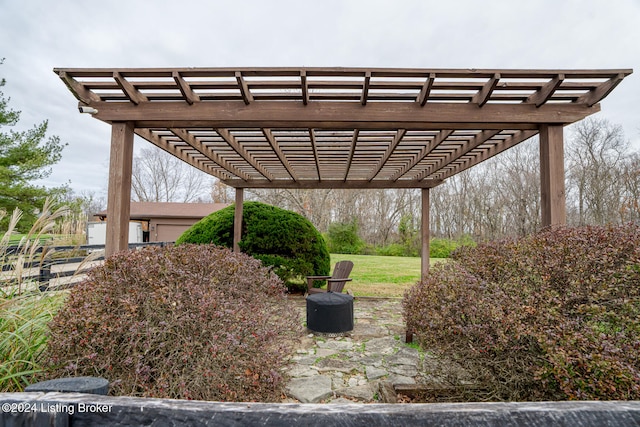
(484, 94)
(595, 95)
(244, 88)
(304, 87)
(242, 152)
(237, 219)
(437, 140)
(554, 211)
(132, 93)
(477, 140)
(352, 150)
(423, 96)
(425, 231)
(387, 154)
(119, 192)
(332, 183)
(545, 93)
(499, 147)
(172, 149)
(189, 95)
(460, 73)
(314, 150)
(193, 142)
(281, 156)
(341, 115)
(365, 88)
(81, 93)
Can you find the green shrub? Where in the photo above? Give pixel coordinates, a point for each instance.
(443, 248)
(279, 238)
(551, 316)
(342, 238)
(394, 249)
(438, 248)
(410, 236)
(187, 322)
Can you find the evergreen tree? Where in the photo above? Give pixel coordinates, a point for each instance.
(24, 157)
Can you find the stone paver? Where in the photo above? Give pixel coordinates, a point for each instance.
(310, 389)
(354, 366)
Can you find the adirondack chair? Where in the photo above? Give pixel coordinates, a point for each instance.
(335, 282)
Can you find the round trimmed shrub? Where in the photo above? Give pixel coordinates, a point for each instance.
(279, 238)
(185, 322)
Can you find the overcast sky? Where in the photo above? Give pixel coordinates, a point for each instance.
(38, 35)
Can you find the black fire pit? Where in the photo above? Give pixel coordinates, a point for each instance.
(330, 312)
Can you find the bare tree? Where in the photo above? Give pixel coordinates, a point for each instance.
(315, 205)
(160, 177)
(596, 153)
(498, 198)
(220, 192)
(630, 209)
(518, 184)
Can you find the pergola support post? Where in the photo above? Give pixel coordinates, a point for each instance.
(119, 193)
(425, 233)
(552, 190)
(237, 219)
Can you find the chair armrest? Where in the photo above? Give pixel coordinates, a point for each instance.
(311, 279)
(339, 280)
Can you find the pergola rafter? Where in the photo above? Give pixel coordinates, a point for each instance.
(345, 127)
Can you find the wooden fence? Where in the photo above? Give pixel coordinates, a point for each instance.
(63, 262)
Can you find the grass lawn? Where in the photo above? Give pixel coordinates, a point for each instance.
(381, 276)
(14, 239)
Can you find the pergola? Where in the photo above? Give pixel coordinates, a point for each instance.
(343, 128)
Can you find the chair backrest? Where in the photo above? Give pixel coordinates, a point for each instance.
(340, 271)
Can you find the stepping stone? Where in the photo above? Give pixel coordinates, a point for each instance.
(337, 382)
(399, 379)
(345, 366)
(385, 345)
(401, 359)
(306, 360)
(371, 360)
(404, 370)
(335, 345)
(361, 392)
(374, 373)
(408, 352)
(302, 371)
(310, 390)
(325, 352)
(365, 331)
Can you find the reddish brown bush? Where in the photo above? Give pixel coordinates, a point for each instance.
(189, 322)
(551, 316)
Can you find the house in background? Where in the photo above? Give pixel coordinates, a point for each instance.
(165, 222)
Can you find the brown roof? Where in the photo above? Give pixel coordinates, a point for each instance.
(144, 210)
